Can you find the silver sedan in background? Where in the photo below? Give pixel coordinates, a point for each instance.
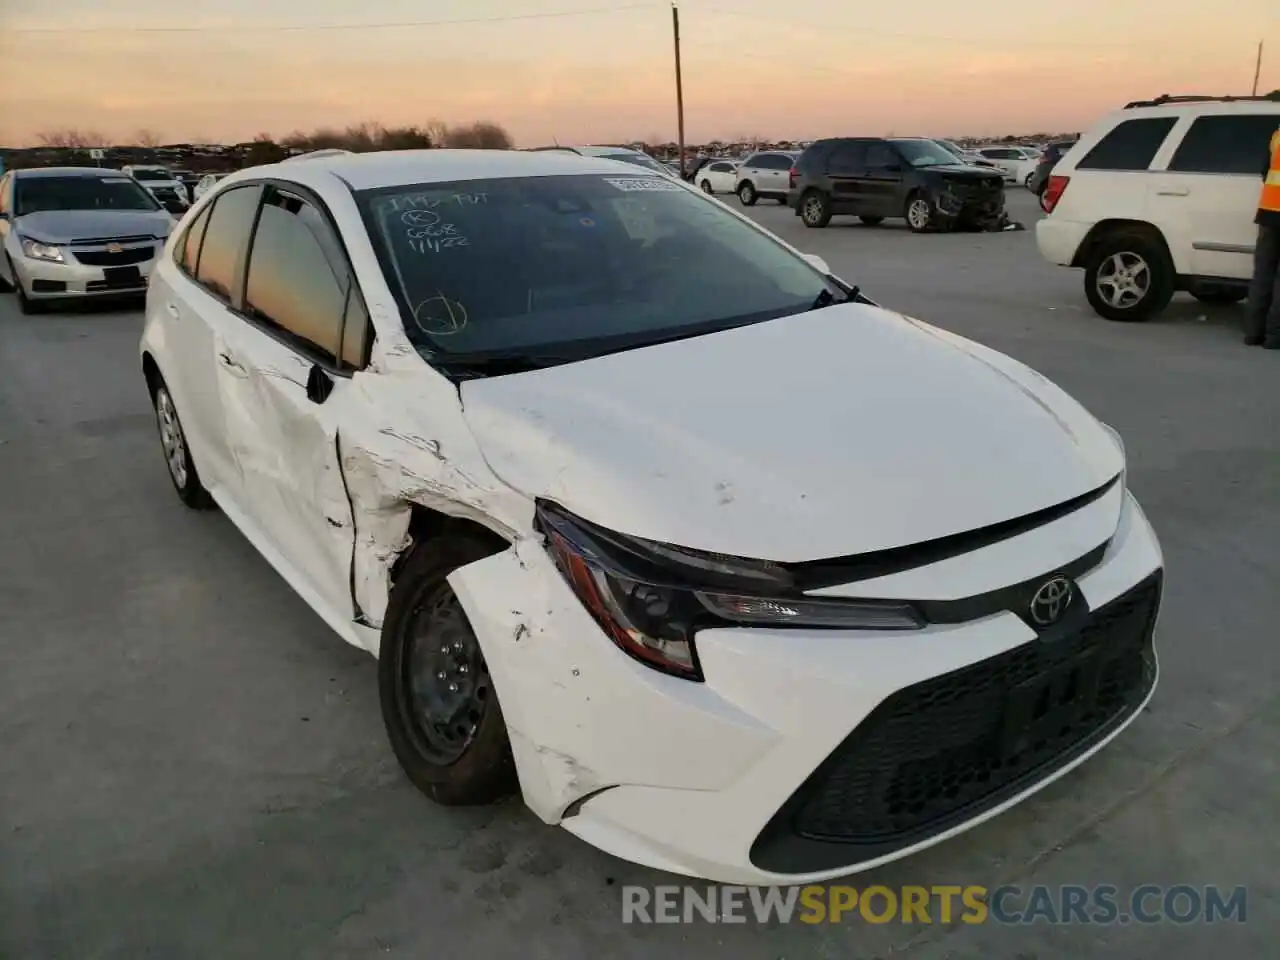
(73, 232)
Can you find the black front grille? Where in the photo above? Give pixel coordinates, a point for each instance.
(122, 258)
(940, 752)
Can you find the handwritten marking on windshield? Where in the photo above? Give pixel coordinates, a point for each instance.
(643, 184)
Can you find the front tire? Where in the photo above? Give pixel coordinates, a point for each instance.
(1129, 277)
(177, 454)
(919, 212)
(438, 701)
(815, 209)
(747, 193)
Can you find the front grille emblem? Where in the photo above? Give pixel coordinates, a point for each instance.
(114, 248)
(1051, 601)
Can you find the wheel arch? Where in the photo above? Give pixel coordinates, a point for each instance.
(1103, 229)
(151, 372)
(427, 524)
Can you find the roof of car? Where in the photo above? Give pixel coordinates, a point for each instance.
(31, 172)
(364, 171)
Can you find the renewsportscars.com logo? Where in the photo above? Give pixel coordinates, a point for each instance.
(1103, 904)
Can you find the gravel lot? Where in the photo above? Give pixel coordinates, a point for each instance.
(192, 765)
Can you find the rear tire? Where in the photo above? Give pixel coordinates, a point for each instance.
(706, 187)
(447, 731)
(747, 193)
(815, 209)
(177, 453)
(1129, 277)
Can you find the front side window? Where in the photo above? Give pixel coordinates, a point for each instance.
(226, 238)
(189, 254)
(297, 283)
(1235, 143)
(573, 266)
(1131, 145)
(40, 194)
(152, 174)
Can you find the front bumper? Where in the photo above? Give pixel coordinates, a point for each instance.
(978, 204)
(807, 754)
(42, 279)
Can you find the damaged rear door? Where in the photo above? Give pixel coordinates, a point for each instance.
(286, 385)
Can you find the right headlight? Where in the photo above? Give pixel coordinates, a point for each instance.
(651, 598)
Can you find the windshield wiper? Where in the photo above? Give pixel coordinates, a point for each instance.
(826, 298)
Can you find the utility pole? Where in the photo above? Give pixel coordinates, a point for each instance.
(1257, 67)
(675, 33)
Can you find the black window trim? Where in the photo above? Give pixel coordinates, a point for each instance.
(180, 248)
(1186, 133)
(304, 348)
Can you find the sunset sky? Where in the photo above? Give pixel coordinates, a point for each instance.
(225, 70)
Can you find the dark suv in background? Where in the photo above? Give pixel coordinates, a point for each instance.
(1048, 160)
(913, 178)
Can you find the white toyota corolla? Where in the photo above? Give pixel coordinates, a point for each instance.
(727, 569)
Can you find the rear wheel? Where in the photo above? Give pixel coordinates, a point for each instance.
(747, 193)
(1129, 277)
(177, 455)
(706, 186)
(438, 701)
(815, 209)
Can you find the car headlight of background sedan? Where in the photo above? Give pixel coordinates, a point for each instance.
(38, 250)
(651, 598)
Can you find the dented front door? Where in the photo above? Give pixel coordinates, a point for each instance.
(286, 445)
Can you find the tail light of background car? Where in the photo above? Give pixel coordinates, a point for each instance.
(793, 176)
(1053, 192)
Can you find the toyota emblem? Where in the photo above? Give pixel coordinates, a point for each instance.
(1051, 601)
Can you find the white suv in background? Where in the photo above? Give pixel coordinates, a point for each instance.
(1160, 197)
(765, 176)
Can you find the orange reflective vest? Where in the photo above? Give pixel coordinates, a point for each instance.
(1270, 198)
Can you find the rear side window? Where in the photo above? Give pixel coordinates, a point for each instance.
(225, 240)
(189, 253)
(774, 161)
(847, 159)
(298, 281)
(1129, 146)
(1228, 144)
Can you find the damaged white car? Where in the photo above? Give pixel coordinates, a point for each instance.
(726, 569)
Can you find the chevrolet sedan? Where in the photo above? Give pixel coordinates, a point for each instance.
(646, 515)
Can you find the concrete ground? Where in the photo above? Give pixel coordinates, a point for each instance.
(192, 765)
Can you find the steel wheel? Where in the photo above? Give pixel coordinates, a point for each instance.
(1123, 281)
(445, 682)
(171, 439)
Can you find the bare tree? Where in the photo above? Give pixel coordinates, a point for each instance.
(71, 139)
(481, 135)
(146, 138)
(437, 131)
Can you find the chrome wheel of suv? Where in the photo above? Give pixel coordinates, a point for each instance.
(919, 213)
(1123, 280)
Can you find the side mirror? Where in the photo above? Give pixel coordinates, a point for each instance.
(817, 263)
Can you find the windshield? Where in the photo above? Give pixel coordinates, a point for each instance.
(575, 266)
(925, 153)
(153, 173)
(38, 194)
(638, 159)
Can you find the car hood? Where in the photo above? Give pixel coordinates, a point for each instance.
(833, 432)
(64, 226)
(974, 169)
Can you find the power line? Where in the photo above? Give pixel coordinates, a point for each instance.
(317, 27)
(827, 27)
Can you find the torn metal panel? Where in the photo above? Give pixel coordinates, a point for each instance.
(389, 464)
